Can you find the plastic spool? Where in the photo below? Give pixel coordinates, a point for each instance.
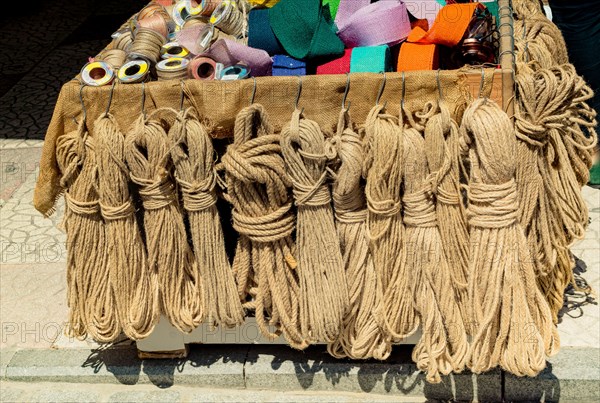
(205, 68)
(173, 49)
(147, 45)
(180, 14)
(134, 71)
(235, 72)
(205, 37)
(97, 74)
(114, 57)
(123, 41)
(204, 7)
(228, 18)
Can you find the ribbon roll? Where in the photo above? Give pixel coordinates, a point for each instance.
(346, 8)
(204, 68)
(173, 49)
(371, 59)
(382, 23)
(134, 71)
(97, 74)
(263, 3)
(284, 65)
(180, 13)
(236, 72)
(260, 34)
(173, 64)
(337, 66)
(204, 7)
(230, 53)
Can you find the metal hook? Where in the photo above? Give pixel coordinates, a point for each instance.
(110, 96)
(403, 92)
(299, 91)
(182, 95)
(381, 88)
(253, 91)
(344, 107)
(439, 85)
(481, 83)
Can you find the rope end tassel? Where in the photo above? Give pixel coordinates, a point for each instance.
(513, 322)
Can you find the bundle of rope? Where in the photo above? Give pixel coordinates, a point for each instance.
(193, 158)
(179, 280)
(443, 158)
(323, 291)
(443, 347)
(534, 29)
(362, 335)
(90, 295)
(133, 281)
(383, 147)
(502, 286)
(552, 120)
(257, 187)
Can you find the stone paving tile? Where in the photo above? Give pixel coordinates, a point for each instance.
(34, 305)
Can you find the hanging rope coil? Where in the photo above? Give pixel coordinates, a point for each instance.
(257, 188)
(193, 158)
(180, 285)
(133, 280)
(324, 296)
(362, 336)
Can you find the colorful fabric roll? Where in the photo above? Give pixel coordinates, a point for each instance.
(346, 8)
(338, 66)
(333, 7)
(371, 59)
(230, 53)
(425, 9)
(381, 23)
(260, 34)
(284, 65)
(419, 52)
(303, 31)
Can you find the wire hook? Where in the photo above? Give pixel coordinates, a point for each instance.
(381, 89)
(439, 85)
(344, 107)
(144, 100)
(253, 91)
(299, 91)
(110, 96)
(481, 83)
(182, 96)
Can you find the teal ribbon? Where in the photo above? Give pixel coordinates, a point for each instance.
(371, 59)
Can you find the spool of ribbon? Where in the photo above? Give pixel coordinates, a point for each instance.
(172, 69)
(231, 53)
(235, 72)
(284, 65)
(346, 8)
(263, 3)
(114, 57)
(260, 34)
(382, 23)
(134, 71)
(155, 22)
(204, 68)
(173, 49)
(371, 59)
(337, 66)
(229, 18)
(204, 7)
(147, 45)
(303, 31)
(420, 52)
(97, 74)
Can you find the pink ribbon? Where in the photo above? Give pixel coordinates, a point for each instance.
(230, 52)
(381, 23)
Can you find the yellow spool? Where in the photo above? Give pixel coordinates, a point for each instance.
(97, 74)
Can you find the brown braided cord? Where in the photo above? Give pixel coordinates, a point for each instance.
(323, 291)
(258, 189)
(91, 301)
(133, 281)
(383, 171)
(443, 347)
(502, 287)
(193, 157)
(362, 336)
(180, 287)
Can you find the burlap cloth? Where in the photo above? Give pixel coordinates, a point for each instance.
(219, 102)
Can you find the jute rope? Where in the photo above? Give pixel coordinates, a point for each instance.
(323, 291)
(193, 157)
(443, 347)
(441, 149)
(133, 281)
(258, 189)
(361, 336)
(146, 150)
(92, 307)
(508, 304)
(383, 171)
(536, 29)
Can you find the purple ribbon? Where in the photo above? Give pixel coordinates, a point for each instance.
(230, 52)
(383, 23)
